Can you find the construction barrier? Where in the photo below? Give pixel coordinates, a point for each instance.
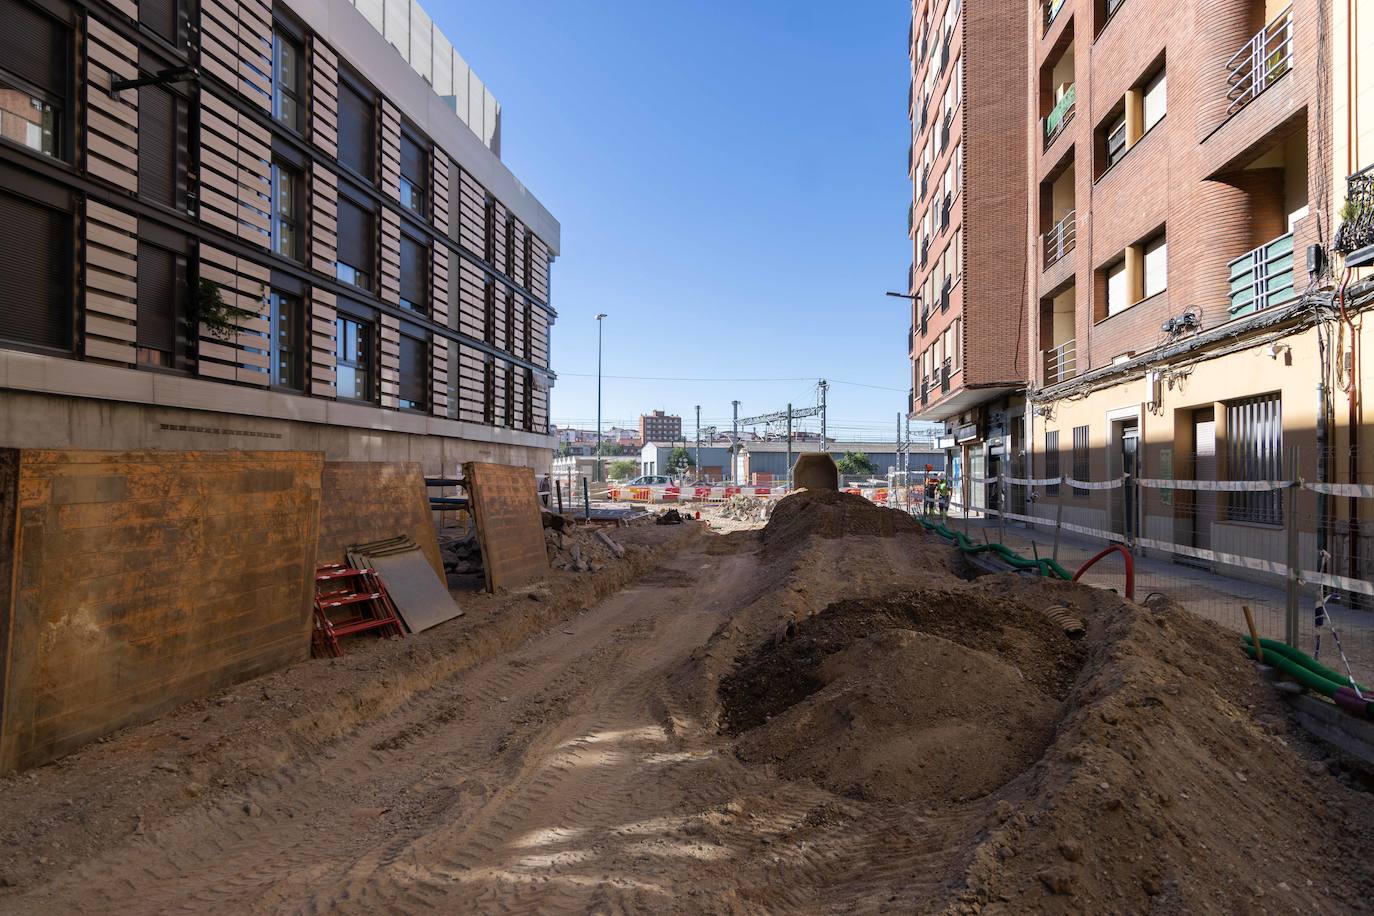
(689, 494)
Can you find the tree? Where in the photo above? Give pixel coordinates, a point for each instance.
(856, 464)
(679, 459)
(623, 468)
(564, 449)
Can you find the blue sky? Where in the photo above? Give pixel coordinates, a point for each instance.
(731, 182)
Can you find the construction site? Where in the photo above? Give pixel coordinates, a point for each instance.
(817, 705)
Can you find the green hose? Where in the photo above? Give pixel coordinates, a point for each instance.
(1298, 657)
(1046, 567)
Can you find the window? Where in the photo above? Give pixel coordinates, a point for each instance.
(414, 275)
(162, 143)
(35, 273)
(1254, 451)
(1156, 266)
(288, 84)
(1116, 140)
(413, 182)
(1080, 458)
(1153, 101)
(356, 244)
(34, 82)
(414, 371)
(1118, 296)
(1052, 461)
(357, 132)
(353, 358)
(287, 211)
(161, 333)
(288, 342)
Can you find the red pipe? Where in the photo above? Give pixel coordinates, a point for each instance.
(1130, 568)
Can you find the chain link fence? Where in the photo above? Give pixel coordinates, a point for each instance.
(1299, 554)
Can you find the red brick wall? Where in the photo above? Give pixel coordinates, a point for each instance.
(146, 579)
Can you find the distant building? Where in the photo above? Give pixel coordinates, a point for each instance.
(659, 427)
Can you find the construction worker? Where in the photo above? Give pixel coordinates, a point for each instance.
(942, 490)
(930, 492)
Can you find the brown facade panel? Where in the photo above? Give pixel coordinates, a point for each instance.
(439, 284)
(471, 383)
(145, 580)
(111, 284)
(324, 212)
(391, 256)
(323, 313)
(391, 150)
(471, 300)
(324, 97)
(539, 269)
(472, 201)
(111, 122)
(439, 370)
(439, 180)
(389, 349)
(242, 357)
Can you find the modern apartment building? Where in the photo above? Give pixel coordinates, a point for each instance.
(659, 427)
(246, 224)
(968, 165)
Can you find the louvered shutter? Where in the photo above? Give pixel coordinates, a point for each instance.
(413, 258)
(161, 17)
(355, 131)
(414, 365)
(157, 326)
(35, 274)
(33, 46)
(355, 236)
(157, 145)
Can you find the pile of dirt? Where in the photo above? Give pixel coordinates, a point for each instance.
(935, 694)
(581, 549)
(830, 514)
(1142, 767)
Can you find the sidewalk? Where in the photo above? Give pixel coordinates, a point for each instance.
(1208, 594)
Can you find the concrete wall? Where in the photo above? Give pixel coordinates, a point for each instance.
(145, 579)
(30, 420)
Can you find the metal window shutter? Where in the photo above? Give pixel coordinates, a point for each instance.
(412, 160)
(413, 271)
(413, 375)
(33, 46)
(355, 244)
(157, 159)
(157, 326)
(355, 131)
(161, 17)
(35, 274)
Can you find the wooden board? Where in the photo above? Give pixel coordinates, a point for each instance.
(509, 528)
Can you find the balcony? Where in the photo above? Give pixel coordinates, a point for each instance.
(944, 131)
(946, 289)
(1060, 240)
(944, 376)
(1052, 8)
(1061, 362)
(1059, 116)
(1263, 278)
(925, 391)
(1260, 64)
(925, 251)
(910, 219)
(944, 54)
(910, 339)
(1355, 237)
(925, 318)
(925, 180)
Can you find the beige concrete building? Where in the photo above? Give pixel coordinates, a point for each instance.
(1192, 314)
(239, 224)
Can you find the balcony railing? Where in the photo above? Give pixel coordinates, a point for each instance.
(944, 131)
(925, 319)
(1061, 362)
(910, 338)
(1060, 115)
(1260, 64)
(1355, 237)
(1060, 240)
(910, 218)
(1263, 278)
(946, 289)
(944, 376)
(925, 391)
(925, 180)
(925, 251)
(944, 212)
(1052, 8)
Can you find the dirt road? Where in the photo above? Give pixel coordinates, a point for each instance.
(669, 749)
(572, 775)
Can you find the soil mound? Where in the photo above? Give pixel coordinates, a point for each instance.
(831, 514)
(904, 716)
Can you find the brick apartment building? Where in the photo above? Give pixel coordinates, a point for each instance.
(968, 164)
(295, 232)
(1191, 310)
(659, 427)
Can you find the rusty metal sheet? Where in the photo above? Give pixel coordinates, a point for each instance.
(506, 509)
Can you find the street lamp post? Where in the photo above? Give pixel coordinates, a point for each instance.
(599, 317)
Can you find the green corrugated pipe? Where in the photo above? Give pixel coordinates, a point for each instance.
(1301, 658)
(1046, 566)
